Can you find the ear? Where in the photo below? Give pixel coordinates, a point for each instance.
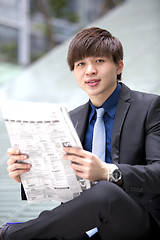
(120, 67)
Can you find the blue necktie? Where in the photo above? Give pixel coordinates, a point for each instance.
(98, 145)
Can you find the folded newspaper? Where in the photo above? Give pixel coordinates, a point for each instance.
(41, 130)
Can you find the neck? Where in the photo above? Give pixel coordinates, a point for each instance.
(98, 100)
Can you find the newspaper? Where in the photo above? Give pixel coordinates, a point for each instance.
(41, 130)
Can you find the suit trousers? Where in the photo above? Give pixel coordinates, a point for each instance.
(105, 206)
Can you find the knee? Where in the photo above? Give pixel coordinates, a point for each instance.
(103, 191)
(101, 200)
(106, 192)
(103, 194)
(106, 188)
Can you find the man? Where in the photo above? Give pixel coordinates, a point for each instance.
(125, 198)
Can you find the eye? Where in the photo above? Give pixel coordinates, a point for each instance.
(100, 60)
(80, 64)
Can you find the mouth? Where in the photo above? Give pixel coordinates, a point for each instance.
(92, 82)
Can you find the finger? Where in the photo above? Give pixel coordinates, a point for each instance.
(80, 174)
(15, 158)
(76, 166)
(18, 166)
(72, 150)
(17, 173)
(13, 151)
(73, 158)
(86, 158)
(77, 151)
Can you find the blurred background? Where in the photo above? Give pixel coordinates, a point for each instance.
(34, 39)
(29, 29)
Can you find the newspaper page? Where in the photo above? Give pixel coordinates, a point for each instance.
(41, 130)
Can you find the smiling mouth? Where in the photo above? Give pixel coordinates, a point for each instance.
(93, 82)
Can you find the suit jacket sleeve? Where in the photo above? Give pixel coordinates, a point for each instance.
(145, 178)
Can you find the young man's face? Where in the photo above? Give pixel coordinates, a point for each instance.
(97, 76)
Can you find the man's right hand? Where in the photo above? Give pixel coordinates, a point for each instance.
(15, 169)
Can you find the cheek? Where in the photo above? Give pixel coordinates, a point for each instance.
(111, 73)
(78, 77)
(76, 74)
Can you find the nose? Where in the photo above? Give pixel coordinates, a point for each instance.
(91, 69)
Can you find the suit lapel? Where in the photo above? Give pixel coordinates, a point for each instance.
(122, 110)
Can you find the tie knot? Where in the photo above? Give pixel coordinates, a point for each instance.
(100, 112)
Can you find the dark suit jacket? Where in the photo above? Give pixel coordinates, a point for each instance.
(135, 144)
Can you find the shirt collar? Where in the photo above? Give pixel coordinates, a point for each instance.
(109, 105)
